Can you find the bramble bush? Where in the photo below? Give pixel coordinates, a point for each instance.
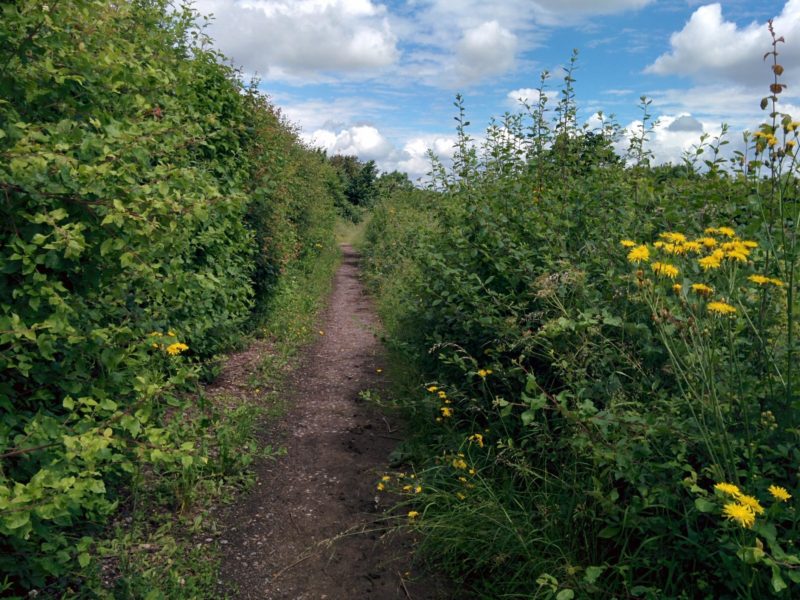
(150, 202)
(606, 391)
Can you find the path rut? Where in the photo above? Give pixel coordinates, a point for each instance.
(313, 526)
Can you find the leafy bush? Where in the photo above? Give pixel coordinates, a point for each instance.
(150, 204)
(606, 403)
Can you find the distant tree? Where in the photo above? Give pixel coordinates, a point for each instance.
(359, 183)
(390, 182)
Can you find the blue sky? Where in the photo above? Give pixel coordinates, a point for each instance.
(377, 78)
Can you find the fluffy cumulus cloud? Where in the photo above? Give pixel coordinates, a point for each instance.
(302, 38)
(364, 141)
(711, 48)
(485, 50)
(670, 137)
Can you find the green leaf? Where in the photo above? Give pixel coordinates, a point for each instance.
(565, 595)
(609, 532)
(84, 559)
(704, 506)
(593, 574)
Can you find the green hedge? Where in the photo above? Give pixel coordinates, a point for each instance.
(148, 203)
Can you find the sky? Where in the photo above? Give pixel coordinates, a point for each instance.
(377, 78)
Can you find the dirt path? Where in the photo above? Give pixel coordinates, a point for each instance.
(312, 527)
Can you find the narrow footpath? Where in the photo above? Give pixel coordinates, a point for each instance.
(314, 525)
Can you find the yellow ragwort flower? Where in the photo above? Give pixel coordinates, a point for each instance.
(721, 308)
(176, 348)
(639, 254)
(627, 243)
(728, 488)
(751, 503)
(702, 289)
(740, 513)
(665, 269)
(779, 493)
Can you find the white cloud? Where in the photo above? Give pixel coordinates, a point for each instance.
(289, 39)
(485, 50)
(710, 48)
(364, 141)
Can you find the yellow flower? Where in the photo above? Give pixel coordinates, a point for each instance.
(759, 279)
(740, 513)
(413, 514)
(750, 244)
(460, 496)
(711, 230)
(381, 487)
(708, 242)
(477, 438)
(677, 288)
(673, 248)
(751, 503)
(446, 411)
(665, 270)
(779, 493)
(171, 333)
(702, 289)
(386, 478)
(776, 282)
(712, 261)
(176, 348)
(674, 237)
(693, 246)
(442, 394)
(728, 488)
(627, 243)
(639, 254)
(418, 489)
(432, 388)
(406, 488)
(484, 372)
(153, 334)
(721, 308)
(459, 463)
(727, 231)
(771, 140)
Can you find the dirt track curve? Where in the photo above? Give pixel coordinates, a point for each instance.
(312, 528)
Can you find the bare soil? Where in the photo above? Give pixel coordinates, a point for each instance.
(314, 526)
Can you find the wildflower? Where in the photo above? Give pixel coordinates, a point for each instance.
(154, 345)
(740, 513)
(702, 289)
(726, 231)
(776, 282)
(759, 279)
(627, 243)
(771, 140)
(779, 493)
(728, 488)
(472, 471)
(406, 488)
(708, 242)
(712, 261)
(413, 514)
(750, 244)
(446, 411)
(477, 438)
(154, 334)
(418, 489)
(721, 308)
(673, 248)
(386, 478)
(176, 348)
(639, 254)
(665, 269)
(484, 372)
(711, 230)
(751, 503)
(432, 388)
(171, 333)
(460, 496)
(693, 246)
(442, 394)
(790, 144)
(381, 487)
(674, 237)
(677, 288)
(459, 463)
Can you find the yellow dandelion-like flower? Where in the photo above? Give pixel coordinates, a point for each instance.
(461, 496)
(728, 488)
(721, 308)
(171, 333)
(459, 463)
(702, 289)
(407, 488)
(790, 144)
(737, 255)
(779, 493)
(627, 243)
(446, 411)
(674, 248)
(477, 438)
(380, 487)
(639, 254)
(771, 140)
(726, 231)
(176, 348)
(677, 288)
(712, 261)
(708, 242)
(659, 244)
(386, 478)
(665, 269)
(413, 514)
(432, 388)
(672, 236)
(154, 334)
(776, 282)
(740, 513)
(442, 394)
(418, 489)
(759, 279)
(751, 503)
(711, 231)
(693, 246)
(750, 244)
(484, 373)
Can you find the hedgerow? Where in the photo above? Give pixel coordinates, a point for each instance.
(606, 399)
(149, 203)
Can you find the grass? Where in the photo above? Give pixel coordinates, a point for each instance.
(347, 232)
